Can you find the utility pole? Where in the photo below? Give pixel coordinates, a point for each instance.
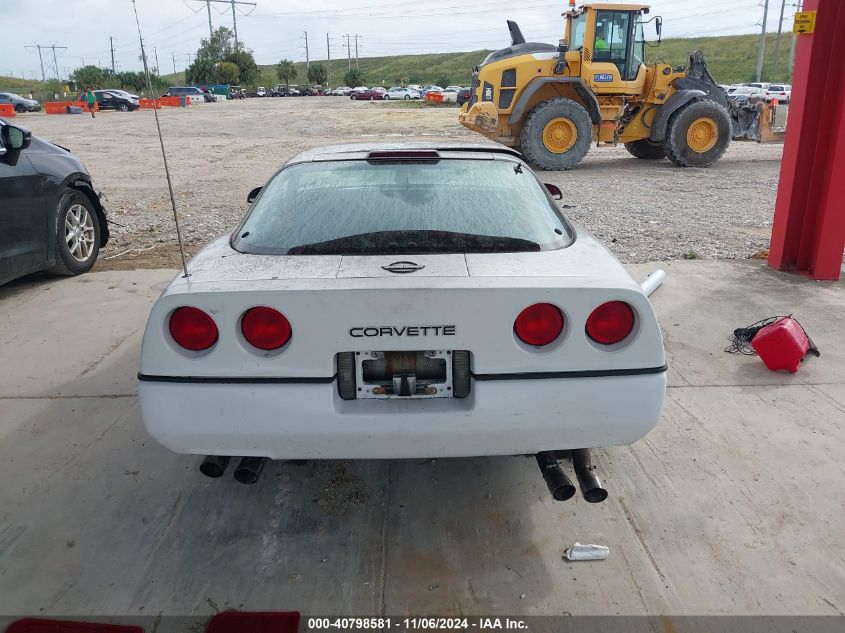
(761, 52)
(55, 63)
(792, 49)
(155, 54)
(329, 56)
(111, 46)
(308, 59)
(173, 57)
(41, 59)
(210, 28)
(348, 51)
(777, 41)
(234, 16)
(356, 50)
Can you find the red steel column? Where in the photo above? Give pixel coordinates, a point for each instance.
(808, 232)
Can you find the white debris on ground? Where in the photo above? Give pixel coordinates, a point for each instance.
(586, 552)
(643, 210)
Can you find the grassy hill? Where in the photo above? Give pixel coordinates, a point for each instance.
(731, 59)
(20, 86)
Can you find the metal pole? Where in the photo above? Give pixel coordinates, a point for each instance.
(356, 50)
(329, 56)
(348, 52)
(210, 28)
(173, 56)
(235, 24)
(111, 46)
(762, 49)
(777, 41)
(308, 60)
(55, 63)
(155, 53)
(41, 59)
(792, 52)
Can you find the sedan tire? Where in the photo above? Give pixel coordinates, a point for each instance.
(386, 97)
(77, 235)
(123, 107)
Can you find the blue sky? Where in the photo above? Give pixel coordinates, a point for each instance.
(275, 29)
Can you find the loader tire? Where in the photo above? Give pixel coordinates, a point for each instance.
(646, 148)
(557, 134)
(698, 134)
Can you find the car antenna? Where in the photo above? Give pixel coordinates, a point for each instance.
(161, 142)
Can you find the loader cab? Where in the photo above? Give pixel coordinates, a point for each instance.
(610, 40)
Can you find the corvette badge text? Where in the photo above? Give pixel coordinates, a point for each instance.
(405, 330)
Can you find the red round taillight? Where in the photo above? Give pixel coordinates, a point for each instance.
(192, 328)
(539, 324)
(610, 323)
(265, 328)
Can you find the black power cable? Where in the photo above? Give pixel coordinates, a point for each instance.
(742, 336)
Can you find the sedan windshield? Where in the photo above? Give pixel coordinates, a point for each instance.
(359, 207)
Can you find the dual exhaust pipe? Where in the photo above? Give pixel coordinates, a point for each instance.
(248, 471)
(561, 486)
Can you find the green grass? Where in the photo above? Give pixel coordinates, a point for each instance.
(19, 86)
(730, 58)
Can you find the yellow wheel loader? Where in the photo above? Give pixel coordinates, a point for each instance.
(552, 102)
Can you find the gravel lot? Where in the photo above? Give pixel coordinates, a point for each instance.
(643, 210)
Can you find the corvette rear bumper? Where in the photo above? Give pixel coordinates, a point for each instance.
(310, 420)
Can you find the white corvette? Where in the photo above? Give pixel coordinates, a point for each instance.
(392, 301)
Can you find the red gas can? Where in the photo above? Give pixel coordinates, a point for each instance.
(782, 345)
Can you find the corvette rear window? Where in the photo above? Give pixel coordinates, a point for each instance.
(359, 207)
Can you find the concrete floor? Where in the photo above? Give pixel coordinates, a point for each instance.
(731, 506)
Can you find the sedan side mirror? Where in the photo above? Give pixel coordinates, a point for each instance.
(557, 194)
(14, 138)
(253, 195)
(12, 141)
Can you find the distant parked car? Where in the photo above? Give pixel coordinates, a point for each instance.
(22, 104)
(764, 85)
(190, 91)
(401, 93)
(51, 217)
(261, 92)
(464, 95)
(744, 94)
(370, 94)
(781, 92)
(429, 88)
(113, 100)
(454, 88)
(450, 95)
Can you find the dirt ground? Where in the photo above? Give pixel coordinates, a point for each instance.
(643, 210)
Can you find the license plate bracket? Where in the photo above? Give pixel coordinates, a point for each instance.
(422, 374)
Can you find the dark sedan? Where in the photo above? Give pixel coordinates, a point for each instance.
(368, 95)
(113, 100)
(22, 104)
(51, 217)
(464, 95)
